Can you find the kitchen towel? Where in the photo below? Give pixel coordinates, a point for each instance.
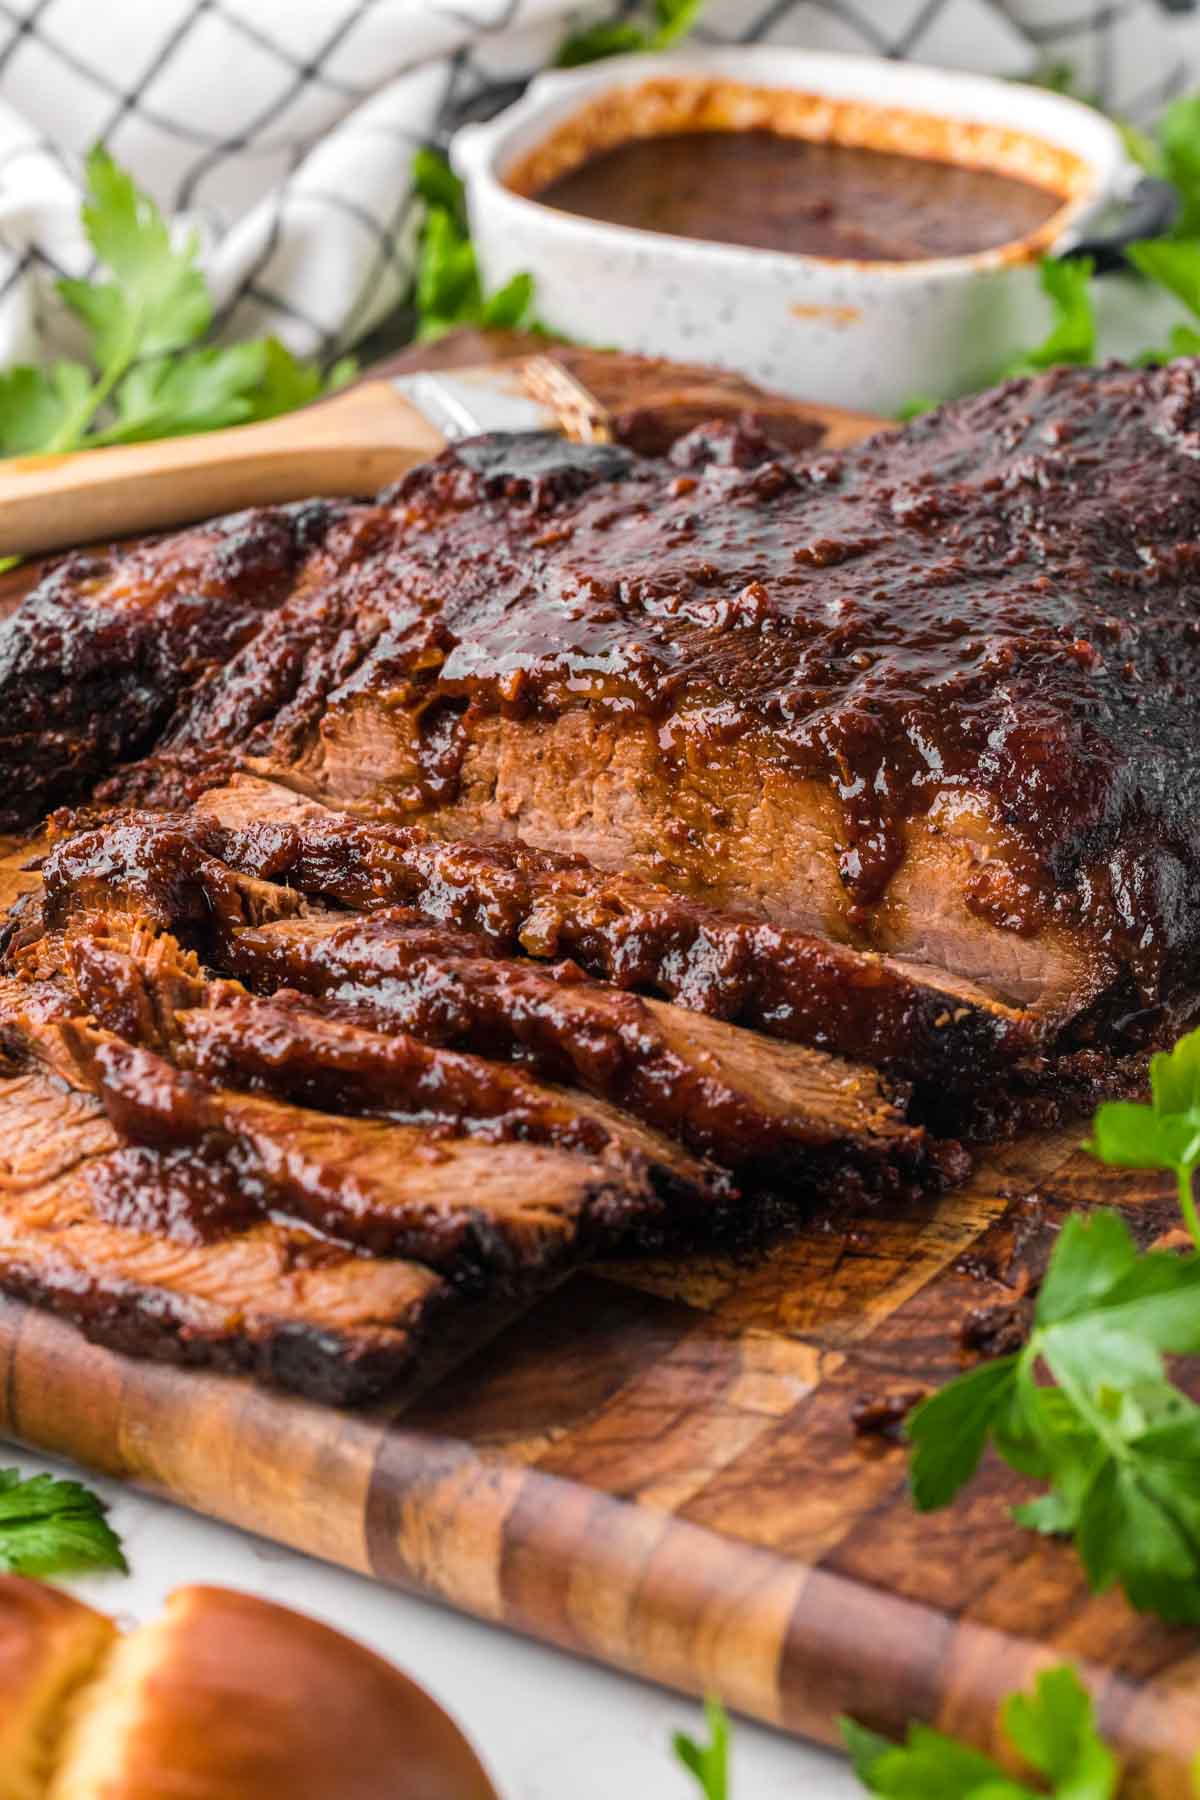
(283, 130)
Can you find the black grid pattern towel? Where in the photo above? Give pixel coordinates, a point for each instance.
(284, 129)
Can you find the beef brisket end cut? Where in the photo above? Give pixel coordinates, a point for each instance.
(932, 697)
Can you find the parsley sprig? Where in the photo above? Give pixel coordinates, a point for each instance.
(1087, 1405)
(709, 1762)
(49, 1527)
(448, 291)
(1164, 1134)
(149, 372)
(1053, 1729)
(670, 22)
(1117, 1443)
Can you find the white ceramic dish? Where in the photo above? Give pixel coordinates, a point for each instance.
(865, 335)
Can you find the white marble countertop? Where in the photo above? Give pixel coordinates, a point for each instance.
(546, 1725)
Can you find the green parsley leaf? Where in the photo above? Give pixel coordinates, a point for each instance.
(1141, 148)
(610, 37)
(509, 304)
(1179, 142)
(915, 406)
(672, 21)
(1058, 1448)
(1174, 263)
(435, 182)
(1059, 77)
(48, 1526)
(1182, 340)
(151, 376)
(1053, 1729)
(448, 291)
(36, 403)
(1166, 1133)
(159, 299)
(1094, 1257)
(864, 1747)
(931, 1766)
(709, 1763)
(177, 395)
(1116, 1442)
(949, 1431)
(287, 381)
(1072, 336)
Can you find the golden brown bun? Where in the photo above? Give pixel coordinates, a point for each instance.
(227, 1697)
(49, 1645)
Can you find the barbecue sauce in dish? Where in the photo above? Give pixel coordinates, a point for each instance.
(767, 191)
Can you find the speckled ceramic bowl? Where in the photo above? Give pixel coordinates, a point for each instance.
(866, 335)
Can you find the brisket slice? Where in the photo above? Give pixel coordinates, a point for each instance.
(252, 850)
(763, 1108)
(904, 696)
(138, 985)
(628, 931)
(270, 1299)
(479, 1209)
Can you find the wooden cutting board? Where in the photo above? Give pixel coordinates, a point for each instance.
(656, 1467)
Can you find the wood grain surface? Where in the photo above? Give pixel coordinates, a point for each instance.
(656, 1467)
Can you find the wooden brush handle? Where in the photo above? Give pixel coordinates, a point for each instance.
(352, 444)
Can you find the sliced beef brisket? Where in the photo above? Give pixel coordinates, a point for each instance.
(80, 1233)
(766, 1109)
(628, 931)
(164, 1189)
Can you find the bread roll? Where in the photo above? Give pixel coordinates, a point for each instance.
(49, 1646)
(225, 1697)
